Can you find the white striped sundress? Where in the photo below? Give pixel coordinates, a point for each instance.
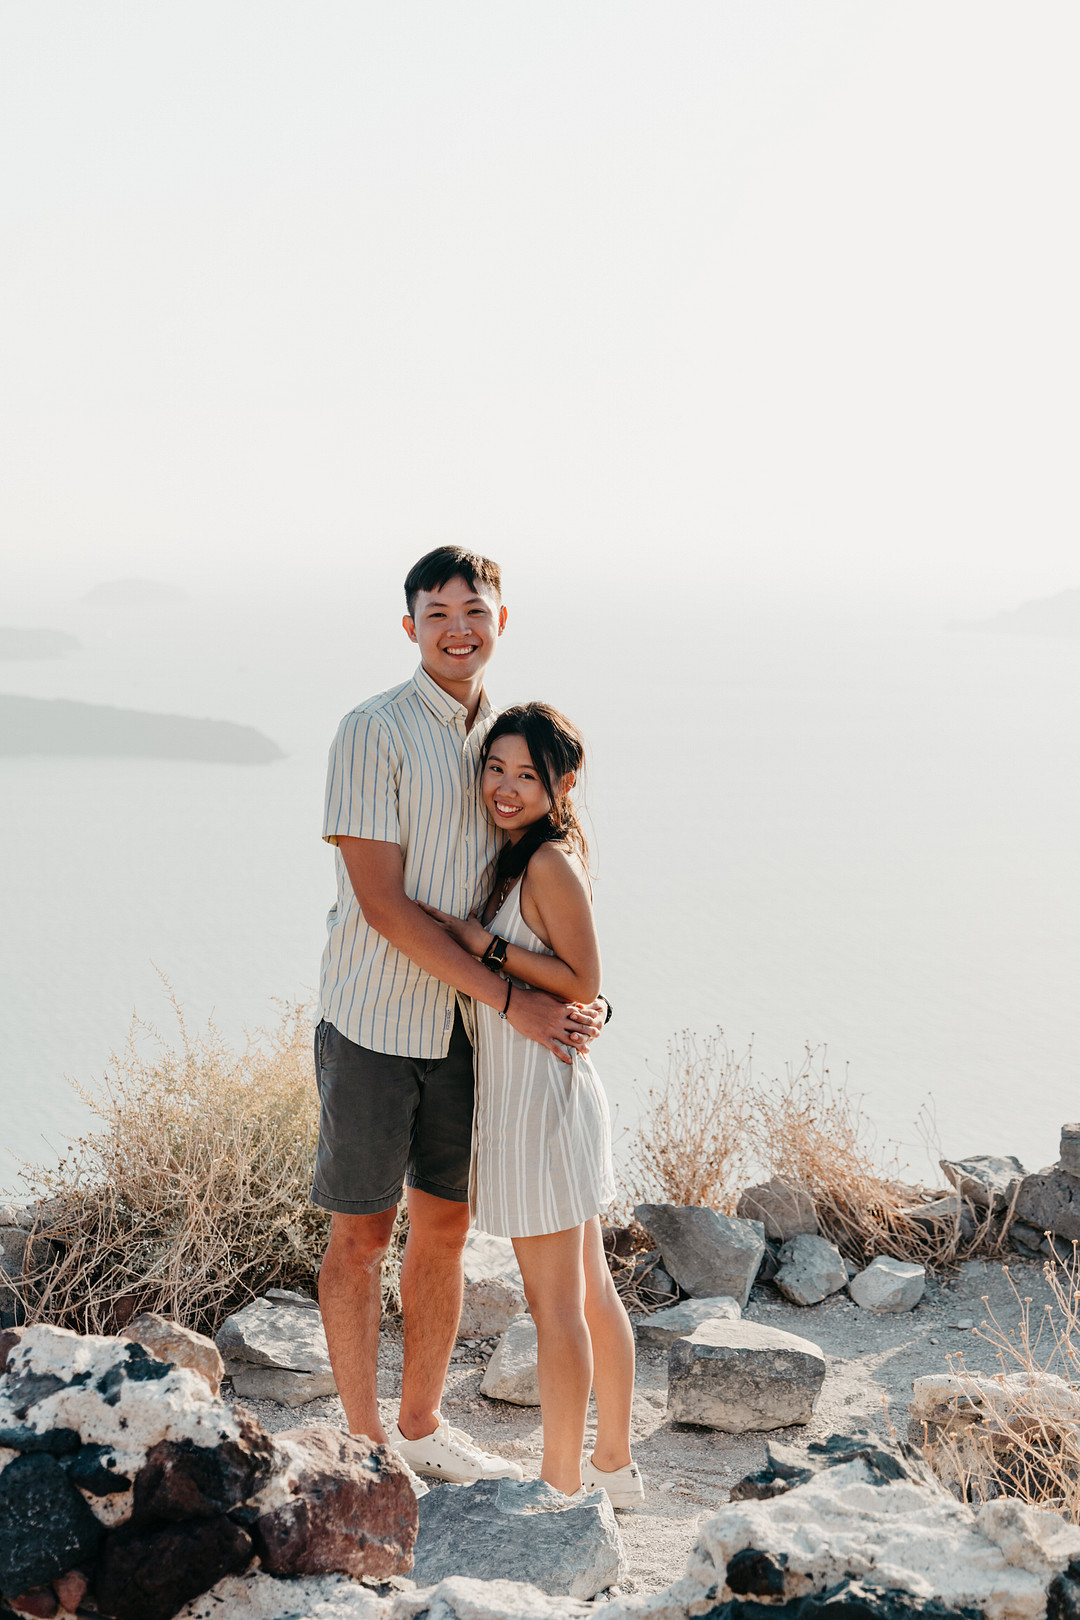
(541, 1131)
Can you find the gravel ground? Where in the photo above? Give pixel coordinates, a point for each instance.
(688, 1473)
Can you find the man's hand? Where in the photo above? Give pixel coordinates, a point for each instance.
(589, 1020)
(551, 1023)
(469, 932)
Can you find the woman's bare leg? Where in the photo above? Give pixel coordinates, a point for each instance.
(613, 1355)
(554, 1278)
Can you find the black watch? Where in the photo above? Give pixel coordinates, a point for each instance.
(610, 1009)
(495, 955)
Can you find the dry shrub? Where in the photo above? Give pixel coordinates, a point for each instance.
(711, 1122)
(193, 1196)
(691, 1143)
(1017, 1433)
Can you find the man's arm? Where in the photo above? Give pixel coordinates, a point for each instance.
(375, 871)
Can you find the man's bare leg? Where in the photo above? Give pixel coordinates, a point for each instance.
(350, 1305)
(432, 1277)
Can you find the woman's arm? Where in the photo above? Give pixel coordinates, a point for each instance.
(557, 893)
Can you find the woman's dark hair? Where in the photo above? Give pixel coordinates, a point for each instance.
(557, 749)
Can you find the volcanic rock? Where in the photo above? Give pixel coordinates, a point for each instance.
(146, 1574)
(336, 1502)
(706, 1253)
(45, 1525)
(736, 1376)
(168, 1341)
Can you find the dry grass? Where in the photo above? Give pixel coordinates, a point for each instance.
(1017, 1433)
(691, 1145)
(711, 1127)
(192, 1197)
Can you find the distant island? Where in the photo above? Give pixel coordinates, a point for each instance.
(58, 726)
(132, 593)
(19, 643)
(1044, 616)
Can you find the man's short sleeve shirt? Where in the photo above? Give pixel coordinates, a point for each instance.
(403, 770)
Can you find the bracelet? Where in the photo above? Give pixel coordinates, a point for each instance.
(506, 1003)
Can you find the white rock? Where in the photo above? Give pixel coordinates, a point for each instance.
(487, 1256)
(1031, 1538)
(811, 1268)
(898, 1535)
(107, 1408)
(273, 1335)
(264, 1597)
(675, 1321)
(511, 1374)
(888, 1285)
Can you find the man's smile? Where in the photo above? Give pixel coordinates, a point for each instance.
(461, 652)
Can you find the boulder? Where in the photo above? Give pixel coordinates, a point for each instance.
(335, 1503)
(487, 1256)
(146, 1574)
(784, 1209)
(662, 1328)
(866, 1530)
(521, 1530)
(511, 1374)
(888, 1285)
(1050, 1201)
(811, 1268)
(1069, 1158)
(1028, 1239)
(488, 1307)
(168, 1341)
(736, 1376)
(45, 1524)
(706, 1253)
(276, 1351)
(987, 1180)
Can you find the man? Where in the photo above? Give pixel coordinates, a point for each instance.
(393, 1053)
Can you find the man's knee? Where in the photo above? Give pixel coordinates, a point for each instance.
(359, 1242)
(437, 1222)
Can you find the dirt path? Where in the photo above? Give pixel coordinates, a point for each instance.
(688, 1472)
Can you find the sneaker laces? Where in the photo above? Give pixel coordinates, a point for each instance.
(467, 1446)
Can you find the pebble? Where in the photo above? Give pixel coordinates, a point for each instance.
(964, 1324)
(931, 1340)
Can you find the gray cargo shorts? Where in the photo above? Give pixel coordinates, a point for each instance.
(388, 1121)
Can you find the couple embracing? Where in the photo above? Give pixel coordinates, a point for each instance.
(459, 996)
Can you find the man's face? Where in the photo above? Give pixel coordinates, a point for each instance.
(456, 628)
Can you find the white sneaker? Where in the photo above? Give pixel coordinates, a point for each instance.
(450, 1454)
(623, 1485)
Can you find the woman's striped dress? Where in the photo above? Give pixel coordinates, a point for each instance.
(541, 1131)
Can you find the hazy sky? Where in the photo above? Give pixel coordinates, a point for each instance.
(774, 291)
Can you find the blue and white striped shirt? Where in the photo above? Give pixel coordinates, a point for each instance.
(403, 770)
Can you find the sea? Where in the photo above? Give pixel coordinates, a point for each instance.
(851, 831)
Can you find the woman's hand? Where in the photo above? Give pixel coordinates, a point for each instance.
(469, 932)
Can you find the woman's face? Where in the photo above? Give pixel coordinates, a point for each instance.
(511, 787)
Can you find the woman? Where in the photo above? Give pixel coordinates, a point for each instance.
(542, 1138)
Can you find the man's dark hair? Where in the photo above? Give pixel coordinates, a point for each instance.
(437, 567)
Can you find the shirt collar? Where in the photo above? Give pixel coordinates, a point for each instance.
(445, 708)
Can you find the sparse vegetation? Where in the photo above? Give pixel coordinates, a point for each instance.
(192, 1197)
(1017, 1433)
(712, 1127)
